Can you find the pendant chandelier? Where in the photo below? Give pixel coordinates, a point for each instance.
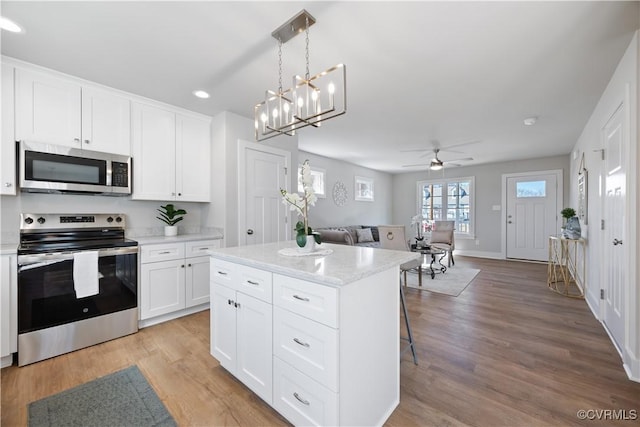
(311, 99)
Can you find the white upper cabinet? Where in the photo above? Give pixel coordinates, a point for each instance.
(47, 109)
(8, 151)
(106, 122)
(193, 144)
(171, 154)
(153, 149)
(54, 110)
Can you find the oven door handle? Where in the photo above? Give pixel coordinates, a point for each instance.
(26, 262)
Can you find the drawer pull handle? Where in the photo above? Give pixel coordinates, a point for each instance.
(301, 400)
(251, 282)
(203, 249)
(304, 344)
(300, 298)
(164, 252)
(222, 273)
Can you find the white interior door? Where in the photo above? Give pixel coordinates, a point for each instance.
(531, 215)
(615, 149)
(263, 216)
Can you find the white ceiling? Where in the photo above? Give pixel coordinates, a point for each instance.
(417, 72)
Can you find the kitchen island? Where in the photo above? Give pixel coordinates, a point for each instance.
(317, 337)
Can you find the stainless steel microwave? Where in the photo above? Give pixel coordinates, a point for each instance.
(48, 168)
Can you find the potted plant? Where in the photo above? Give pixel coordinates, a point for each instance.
(170, 216)
(571, 229)
(306, 238)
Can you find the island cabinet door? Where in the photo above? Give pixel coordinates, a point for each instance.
(255, 356)
(223, 326)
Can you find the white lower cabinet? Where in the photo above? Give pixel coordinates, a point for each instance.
(174, 277)
(8, 308)
(334, 350)
(241, 325)
(300, 399)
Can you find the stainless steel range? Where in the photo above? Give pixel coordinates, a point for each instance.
(77, 283)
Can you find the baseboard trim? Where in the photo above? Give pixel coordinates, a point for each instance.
(477, 254)
(170, 316)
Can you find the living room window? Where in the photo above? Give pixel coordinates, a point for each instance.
(447, 200)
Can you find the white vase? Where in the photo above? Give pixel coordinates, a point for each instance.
(309, 247)
(170, 230)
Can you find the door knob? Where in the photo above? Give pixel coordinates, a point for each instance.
(249, 231)
(510, 222)
(617, 242)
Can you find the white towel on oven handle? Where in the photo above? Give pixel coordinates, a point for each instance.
(85, 274)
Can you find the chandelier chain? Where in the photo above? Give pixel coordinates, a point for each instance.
(307, 46)
(279, 65)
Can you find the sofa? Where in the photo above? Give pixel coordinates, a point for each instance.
(354, 235)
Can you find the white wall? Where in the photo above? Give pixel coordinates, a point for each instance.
(140, 215)
(488, 188)
(227, 129)
(326, 213)
(623, 83)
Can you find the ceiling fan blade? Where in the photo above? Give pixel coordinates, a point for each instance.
(416, 165)
(458, 159)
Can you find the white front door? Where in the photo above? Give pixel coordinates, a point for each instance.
(615, 149)
(531, 215)
(263, 216)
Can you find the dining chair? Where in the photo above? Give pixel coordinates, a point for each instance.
(443, 237)
(394, 237)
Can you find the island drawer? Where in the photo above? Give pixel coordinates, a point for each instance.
(223, 272)
(308, 346)
(254, 282)
(308, 299)
(161, 252)
(200, 247)
(302, 400)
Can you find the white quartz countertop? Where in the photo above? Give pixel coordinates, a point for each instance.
(150, 240)
(8, 248)
(345, 265)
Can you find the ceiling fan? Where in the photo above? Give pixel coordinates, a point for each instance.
(436, 164)
(435, 145)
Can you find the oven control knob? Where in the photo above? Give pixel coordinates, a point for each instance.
(118, 219)
(110, 220)
(28, 220)
(41, 220)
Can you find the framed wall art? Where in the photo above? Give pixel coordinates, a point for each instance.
(364, 189)
(583, 190)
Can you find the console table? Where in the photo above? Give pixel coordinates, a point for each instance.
(566, 269)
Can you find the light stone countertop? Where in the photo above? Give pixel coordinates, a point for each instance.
(345, 265)
(8, 248)
(149, 240)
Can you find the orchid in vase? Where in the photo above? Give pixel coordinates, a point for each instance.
(300, 204)
(417, 221)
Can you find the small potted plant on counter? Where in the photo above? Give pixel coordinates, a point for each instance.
(170, 216)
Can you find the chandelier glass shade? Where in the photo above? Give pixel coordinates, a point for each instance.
(311, 99)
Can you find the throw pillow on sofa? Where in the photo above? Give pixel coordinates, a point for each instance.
(364, 235)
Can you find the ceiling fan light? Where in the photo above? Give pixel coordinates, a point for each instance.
(436, 165)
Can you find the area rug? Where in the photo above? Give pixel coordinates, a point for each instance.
(123, 398)
(453, 282)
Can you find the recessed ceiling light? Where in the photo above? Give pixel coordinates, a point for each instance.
(9, 25)
(530, 121)
(201, 94)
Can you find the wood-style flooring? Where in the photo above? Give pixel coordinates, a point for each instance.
(506, 352)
